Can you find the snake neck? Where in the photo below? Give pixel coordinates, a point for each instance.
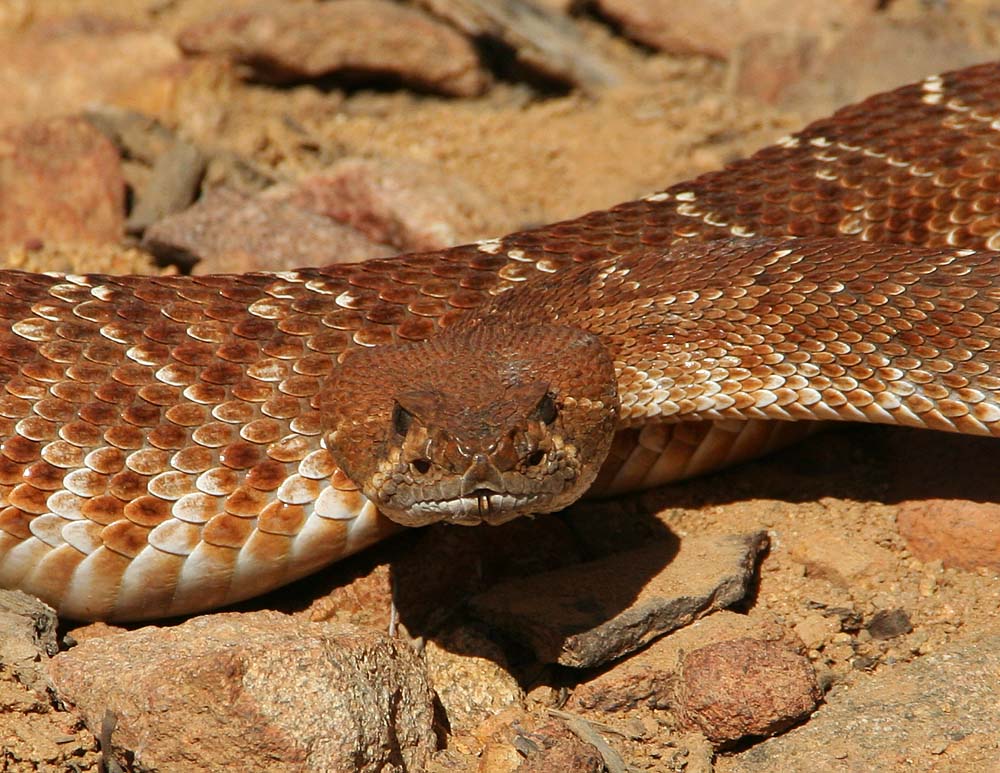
(477, 425)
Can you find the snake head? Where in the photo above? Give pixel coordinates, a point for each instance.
(478, 425)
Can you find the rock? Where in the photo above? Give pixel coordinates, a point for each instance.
(876, 54)
(543, 39)
(368, 39)
(470, 676)
(15, 15)
(590, 613)
(556, 747)
(27, 638)
(646, 679)
(366, 601)
(681, 27)
(62, 68)
(556, 6)
(60, 183)
(35, 734)
(529, 743)
(939, 712)
(85, 631)
(959, 533)
(745, 687)
(889, 623)
(766, 65)
(137, 136)
(815, 629)
(407, 204)
(228, 232)
(152, 151)
(254, 692)
(826, 553)
(172, 186)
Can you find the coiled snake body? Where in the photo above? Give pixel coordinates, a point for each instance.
(174, 444)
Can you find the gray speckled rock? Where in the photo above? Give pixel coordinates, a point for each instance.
(254, 692)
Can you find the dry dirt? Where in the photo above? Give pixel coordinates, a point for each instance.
(829, 504)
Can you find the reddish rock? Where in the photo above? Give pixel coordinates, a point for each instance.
(682, 27)
(745, 687)
(254, 692)
(646, 679)
(366, 600)
(228, 232)
(876, 53)
(409, 205)
(58, 69)
(816, 629)
(827, 553)
(959, 533)
(81, 633)
(766, 65)
(287, 42)
(555, 747)
(528, 743)
(60, 183)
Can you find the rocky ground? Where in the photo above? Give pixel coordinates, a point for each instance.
(831, 608)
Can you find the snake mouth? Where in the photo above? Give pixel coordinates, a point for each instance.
(482, 506)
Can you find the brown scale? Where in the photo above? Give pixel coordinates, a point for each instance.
(130, 403)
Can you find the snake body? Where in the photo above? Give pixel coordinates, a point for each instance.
(174, 444)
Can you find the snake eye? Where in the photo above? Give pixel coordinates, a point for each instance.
(401, 420)
(421, 466)
(535, 458)
(546, 410)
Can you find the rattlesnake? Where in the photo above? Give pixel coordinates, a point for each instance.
(173, 444)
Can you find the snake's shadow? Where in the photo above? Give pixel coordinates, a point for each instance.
(437, 574)
(863, 463)
(853, 462)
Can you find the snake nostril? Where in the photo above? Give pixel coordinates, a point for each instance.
(421, 466)
(535, 458)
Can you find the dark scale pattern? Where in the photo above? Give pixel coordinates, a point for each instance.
(160, 438)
